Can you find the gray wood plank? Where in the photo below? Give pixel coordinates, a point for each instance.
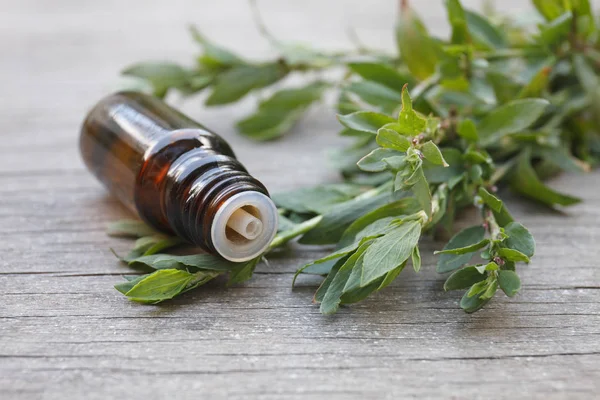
(66, 333)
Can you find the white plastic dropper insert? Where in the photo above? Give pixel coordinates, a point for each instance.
(244, 226)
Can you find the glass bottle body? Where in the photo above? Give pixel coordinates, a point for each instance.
(174, 173)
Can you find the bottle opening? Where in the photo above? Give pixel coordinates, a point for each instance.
(246, 222)
(244, 226)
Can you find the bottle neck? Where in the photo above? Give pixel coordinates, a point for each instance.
(198, 184)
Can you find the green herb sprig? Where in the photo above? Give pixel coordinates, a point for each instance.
(495, 105)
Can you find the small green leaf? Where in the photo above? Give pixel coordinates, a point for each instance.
(235, 83)
(390, 251)
(525, 181)
(161, 75)
(280, 112)
(194, 261)
(422, 192)
(374, 161)
(513, 255)
(440, 174)
(161, 285)
(214, 56)
(467, 249)
(490, 291)
(468, 131)
(390, 139)
(126, 286)
(148, 245)
(365, 121)
(550, 9)
(243, 271)
(332, 297)
(510, 118)
(478, 288)
(416, 259)
(433, 154)
(472, 303)
(464, 278)
(410, 123)
(458, 21)
(490, 200)
(375, 94)
(483, 32)
(519, 239)
(385, 213)
(417, 48)
(509, 282)
(464, 238)
(556, 30)
(317, 199)
(130, 228)
(381, 73)
(337, 219)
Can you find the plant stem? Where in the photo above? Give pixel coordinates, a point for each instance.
(285, 236)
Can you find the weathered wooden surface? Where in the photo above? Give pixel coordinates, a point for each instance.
(66, 333)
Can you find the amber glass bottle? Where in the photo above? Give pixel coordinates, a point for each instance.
(177, 175)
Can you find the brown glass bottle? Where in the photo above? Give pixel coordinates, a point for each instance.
(177, 175)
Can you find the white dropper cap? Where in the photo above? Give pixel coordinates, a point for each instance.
(244, 226)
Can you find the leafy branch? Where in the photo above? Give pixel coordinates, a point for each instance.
(494, 106)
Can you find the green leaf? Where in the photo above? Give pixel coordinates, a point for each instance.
(214, 56)
(472, 304)
(525, 181)
(382, 74)
(161, 285)
(550, 9)
(490, 291)
(375, 94)
(490, 200)
(194, 261)
(433, 154)
(365, 121)
(161, 75)
(126, 286)
(375, 160)
(332, 297)
(365, 225)
(149, 245)
(416, 259)
(390, 139)
(439, 173)
(513, 255)
(464, 238)
(417, 48)
(468, 131)
(422, 192)
(235, 83)
(280, 112)
(464, 278)
(336, 220)
(130, 228)
(510, 118)
(556, 30)
(317, 199)
(390, 251)
(467, 249)
(509, 282)
(458, 22)
(519, 239)
(409, 121)
(483, 32)
(320, 293)
(243, 271)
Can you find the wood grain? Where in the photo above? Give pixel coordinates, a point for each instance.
(66, 333)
